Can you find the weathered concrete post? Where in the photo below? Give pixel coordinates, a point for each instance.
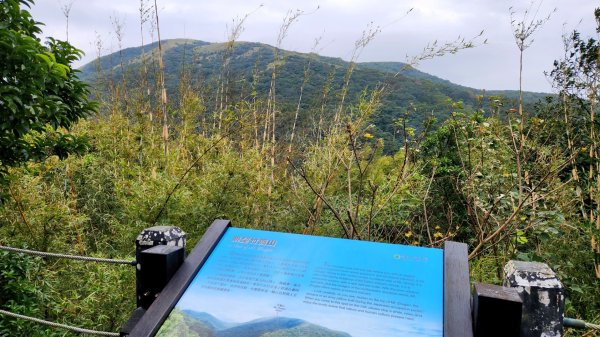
(155, 266)
(543, 297)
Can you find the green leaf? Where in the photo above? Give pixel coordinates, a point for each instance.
(576, 289)
(44, 57)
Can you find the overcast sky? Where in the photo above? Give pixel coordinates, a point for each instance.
(340, 23)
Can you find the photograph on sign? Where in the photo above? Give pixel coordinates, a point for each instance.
(260, 283)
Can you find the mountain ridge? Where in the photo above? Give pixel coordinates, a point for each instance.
(249, 65)
(203, 323)
(389, 66)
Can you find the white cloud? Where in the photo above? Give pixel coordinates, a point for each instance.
(341, 22)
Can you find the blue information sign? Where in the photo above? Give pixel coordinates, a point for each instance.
(259, 283)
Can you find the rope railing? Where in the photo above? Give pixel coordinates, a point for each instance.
(66, 256)
(58, 325)
(579, 324)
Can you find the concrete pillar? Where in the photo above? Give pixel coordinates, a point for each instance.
(543, 297)
(159, 235)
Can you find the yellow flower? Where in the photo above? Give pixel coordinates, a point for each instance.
(368, 135)
(415, 243)
(437, 227)
(438, 235)
(408, 234)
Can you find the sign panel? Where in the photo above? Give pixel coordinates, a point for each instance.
(259, 283)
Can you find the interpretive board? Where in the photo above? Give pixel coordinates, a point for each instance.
(260, 283)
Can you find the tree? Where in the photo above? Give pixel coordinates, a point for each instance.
(577, 79)
(40, 94)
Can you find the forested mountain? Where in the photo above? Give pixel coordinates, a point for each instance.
(247, 68)
(198, 324)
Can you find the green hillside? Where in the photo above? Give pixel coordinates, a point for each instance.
(408, 90)
(191, 323)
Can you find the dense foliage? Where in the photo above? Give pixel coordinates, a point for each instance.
(511, 186)
(40, 96)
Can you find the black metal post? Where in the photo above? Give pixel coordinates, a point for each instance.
(159, 251)
(158, 263)
(496, 311)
